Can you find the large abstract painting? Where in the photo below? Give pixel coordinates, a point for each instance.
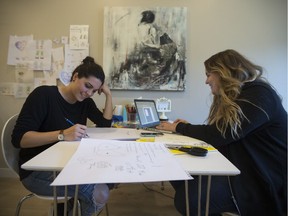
(144, 48)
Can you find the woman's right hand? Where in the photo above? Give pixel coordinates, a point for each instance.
(75, 132)
(34, 138)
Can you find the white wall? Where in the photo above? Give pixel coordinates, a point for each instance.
(257, 29)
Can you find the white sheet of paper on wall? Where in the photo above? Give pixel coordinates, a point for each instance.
(65, 77)
(64, 39)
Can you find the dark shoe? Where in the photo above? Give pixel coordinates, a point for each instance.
(60, 209)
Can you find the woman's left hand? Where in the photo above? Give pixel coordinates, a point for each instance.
(105, 89)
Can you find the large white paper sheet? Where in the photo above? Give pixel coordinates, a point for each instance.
(112, 161)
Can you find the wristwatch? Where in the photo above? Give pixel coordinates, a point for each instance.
(61, 135)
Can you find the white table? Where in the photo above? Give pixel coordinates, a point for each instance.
(56, 157)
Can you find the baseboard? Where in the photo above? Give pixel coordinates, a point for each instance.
(7, 173)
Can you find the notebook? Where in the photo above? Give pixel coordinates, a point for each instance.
(148, 115)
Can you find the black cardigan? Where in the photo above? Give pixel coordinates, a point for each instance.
(260, 153)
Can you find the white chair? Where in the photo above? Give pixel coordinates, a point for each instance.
(11, 157)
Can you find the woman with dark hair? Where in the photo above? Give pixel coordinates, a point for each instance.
(51, 114)
(148, 16)
(248, 125)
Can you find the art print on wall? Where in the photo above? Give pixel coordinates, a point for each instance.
(144, 48)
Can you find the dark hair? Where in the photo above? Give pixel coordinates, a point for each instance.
(147, 16)
(88, 68)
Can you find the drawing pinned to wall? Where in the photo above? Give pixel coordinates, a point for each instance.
(43, 81)
(24, 72)
(144, 48)
(23, 90)
(24, 48)
(73, 57)
(8, 88)
(57, 65)
(29, 55)
(79, 36)
(42, 58)
(20, 49)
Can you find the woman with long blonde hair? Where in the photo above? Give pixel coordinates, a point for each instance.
(247, 124)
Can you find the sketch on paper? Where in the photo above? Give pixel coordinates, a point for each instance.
(144, 48)
(21, 48)
(110, 161)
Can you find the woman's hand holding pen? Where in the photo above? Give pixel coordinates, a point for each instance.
(75, 132)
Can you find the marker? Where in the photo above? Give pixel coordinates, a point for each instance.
(71, 123)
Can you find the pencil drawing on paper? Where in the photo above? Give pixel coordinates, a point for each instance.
(144, 48)
(140, 156)
(103, 161)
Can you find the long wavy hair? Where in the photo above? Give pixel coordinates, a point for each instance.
(234, 70)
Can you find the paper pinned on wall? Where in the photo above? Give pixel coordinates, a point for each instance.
(43, 81)
(8, 88)
(24, 48)
(22, 90)
(73, 58)
(24, 72)
(20, 48)
(79, 36)
(43, 53)
(57, 64)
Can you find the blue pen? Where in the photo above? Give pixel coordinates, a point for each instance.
(71, 123)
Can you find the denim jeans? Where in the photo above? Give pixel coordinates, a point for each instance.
(92, 197)
(220, 196)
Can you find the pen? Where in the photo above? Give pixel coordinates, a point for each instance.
(174, 147)
(71, 123)
(151, 134)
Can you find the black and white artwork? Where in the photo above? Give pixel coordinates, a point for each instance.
(144, 48)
